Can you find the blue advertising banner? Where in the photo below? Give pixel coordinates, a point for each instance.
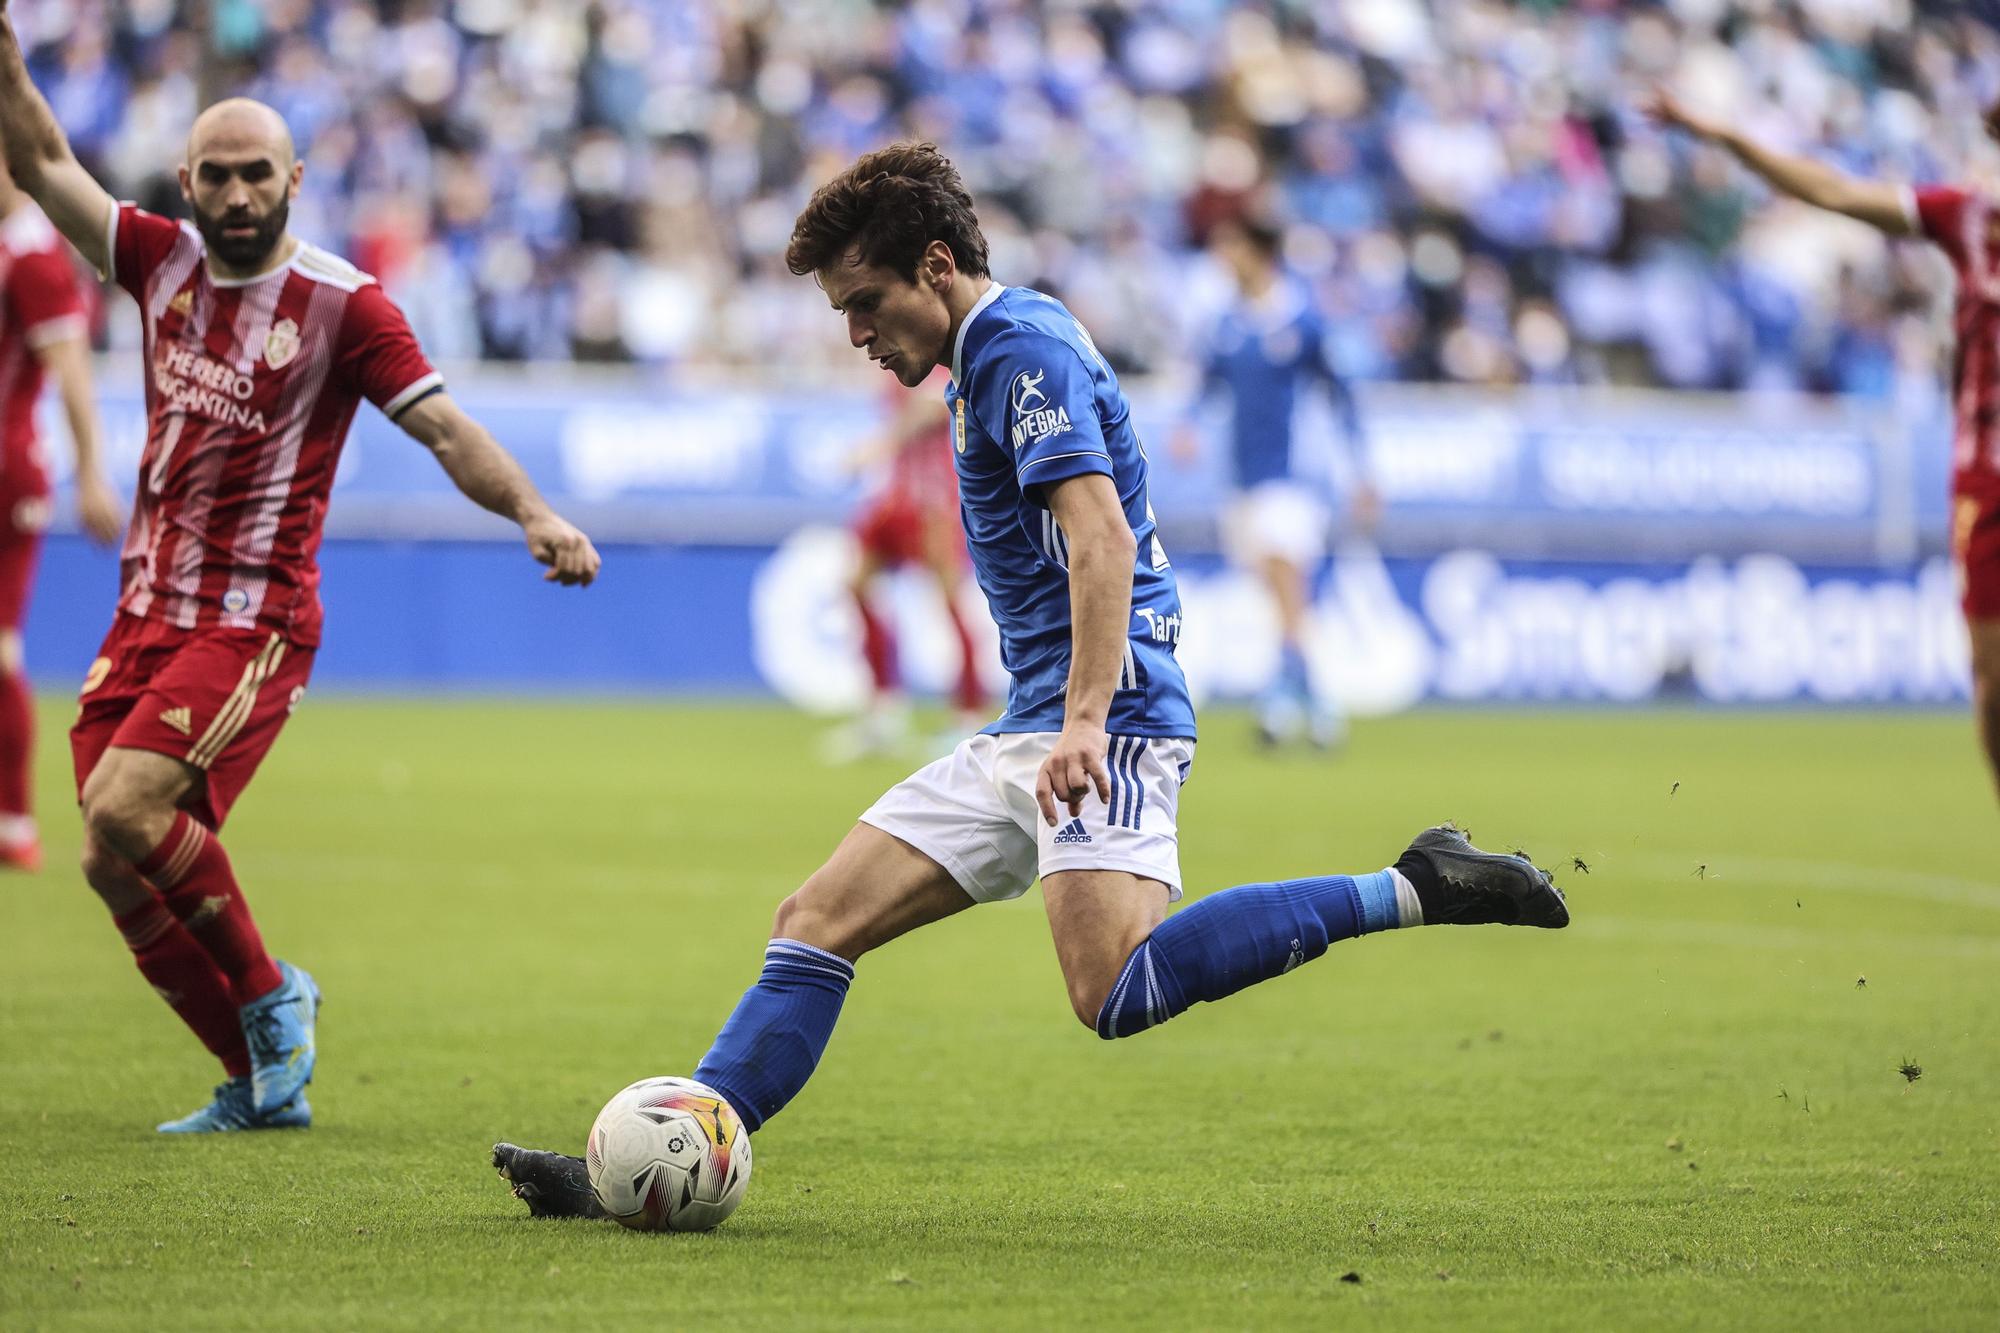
(1572, 474)
(1387, 633)
(1537, 546)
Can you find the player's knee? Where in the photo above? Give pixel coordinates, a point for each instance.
(115, 814)
(1087, 996)
(10, 652)
(800, 917)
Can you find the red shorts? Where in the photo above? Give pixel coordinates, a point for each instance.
(212, 698)
(898, 531)
(24, 512)
(1975, 549)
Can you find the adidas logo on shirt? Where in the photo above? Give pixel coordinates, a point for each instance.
(1072, 832)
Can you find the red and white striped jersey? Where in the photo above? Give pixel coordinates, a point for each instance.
(41, 302)
(250, 388)
(1962, 223)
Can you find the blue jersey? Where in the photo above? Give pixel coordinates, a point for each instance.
(1261, 353)
(1032, 404)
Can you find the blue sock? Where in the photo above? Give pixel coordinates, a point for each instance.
(1240, 937)
(768, 1048)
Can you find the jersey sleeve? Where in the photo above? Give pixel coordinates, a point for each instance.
(1938, 212)
(1039, 401)
(381, 357)
(139, 243)
(1322, 363)
(44, 299)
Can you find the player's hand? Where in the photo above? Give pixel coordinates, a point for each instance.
(563, 548)
(97, 506)
(1663, 108)
(1073, 769)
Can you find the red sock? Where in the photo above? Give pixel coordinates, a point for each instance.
(877, 645)
(971, 696)
(185, 977)
(17, 742)
(192, 873)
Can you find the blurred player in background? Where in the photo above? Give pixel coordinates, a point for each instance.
(1265, 350)
(258, 348)
(1965, 224)
(912, 520)
(1078, 783)
(44, 334)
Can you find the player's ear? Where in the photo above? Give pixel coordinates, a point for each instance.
(938, 267)
(187, 183)
(298, 175)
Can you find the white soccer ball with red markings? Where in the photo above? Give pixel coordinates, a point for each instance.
(669, 1154)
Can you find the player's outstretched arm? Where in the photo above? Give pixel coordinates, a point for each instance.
(1878, 204)
(67, 362)
(39, 158)
(490, 478)
(1101, 551)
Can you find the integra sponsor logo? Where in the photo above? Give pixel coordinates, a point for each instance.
(1038, 426)
(204, 387)
(1034, 419)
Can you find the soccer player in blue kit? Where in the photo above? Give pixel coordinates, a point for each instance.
(1265, 348)
(1078, 782)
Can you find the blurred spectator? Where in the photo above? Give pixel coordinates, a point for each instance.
(1469, 193)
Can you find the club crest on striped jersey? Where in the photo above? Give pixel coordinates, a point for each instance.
(182, 303)
(281, 344)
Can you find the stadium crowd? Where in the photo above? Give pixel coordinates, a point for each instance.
(1466, 183)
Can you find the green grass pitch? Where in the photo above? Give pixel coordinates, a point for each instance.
(1684, 1111)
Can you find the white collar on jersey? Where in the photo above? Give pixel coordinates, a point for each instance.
(991, 295)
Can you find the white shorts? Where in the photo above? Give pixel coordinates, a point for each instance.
(1276, 518)
(973, 812)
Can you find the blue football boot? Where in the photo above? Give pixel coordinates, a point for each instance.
(231, 1110)
(279, 1030)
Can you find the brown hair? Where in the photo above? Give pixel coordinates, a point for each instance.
(889, 206)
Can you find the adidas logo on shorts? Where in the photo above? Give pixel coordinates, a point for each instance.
(1072, 832)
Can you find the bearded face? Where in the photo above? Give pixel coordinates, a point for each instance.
(240, 236)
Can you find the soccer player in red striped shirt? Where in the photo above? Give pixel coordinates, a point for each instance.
(258, 349)
(1966, 226)
(43, 335)
(912, 520)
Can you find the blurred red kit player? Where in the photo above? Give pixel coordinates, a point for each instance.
(258, 350)
(43, 332)
(1967, 228)
(913, 520)
(1965, 224)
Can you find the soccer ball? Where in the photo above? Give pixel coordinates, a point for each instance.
(668, 1154)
